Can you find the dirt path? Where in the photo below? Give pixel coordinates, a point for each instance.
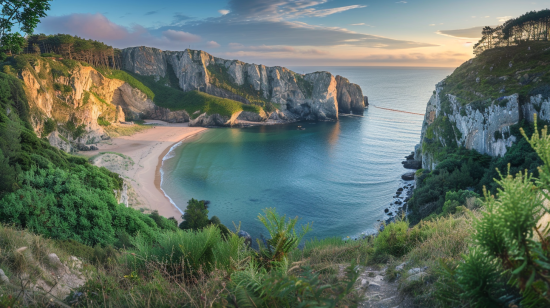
(379, 293)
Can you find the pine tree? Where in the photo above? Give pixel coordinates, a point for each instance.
(195, 216)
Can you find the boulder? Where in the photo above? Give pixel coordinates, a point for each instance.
(82, 147)
(54, 261)
(412, 164)
(246, 236)
(408, 176)
(3, 278)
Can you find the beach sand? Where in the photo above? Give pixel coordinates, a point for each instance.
(141, 162)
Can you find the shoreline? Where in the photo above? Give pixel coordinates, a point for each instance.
(158, 170)
(138, 158)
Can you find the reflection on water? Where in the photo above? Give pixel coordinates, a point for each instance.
(340, 175)
(333, 134)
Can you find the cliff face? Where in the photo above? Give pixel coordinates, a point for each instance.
(85, 98)
(478, 104)
(486, 131)
(315, 96)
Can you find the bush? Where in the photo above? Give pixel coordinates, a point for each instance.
(101, 121)
(512, 238)
(50, 125)
(163, 222)
(190, 250)
(394, 241)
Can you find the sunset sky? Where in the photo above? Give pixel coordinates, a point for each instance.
(287, 32)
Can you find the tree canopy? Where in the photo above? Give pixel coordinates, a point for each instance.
(531, 26)
(26, 15)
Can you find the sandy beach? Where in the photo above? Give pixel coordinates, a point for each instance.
(141, 160)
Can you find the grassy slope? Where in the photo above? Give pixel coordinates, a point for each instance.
(192, 101)
(529, 74)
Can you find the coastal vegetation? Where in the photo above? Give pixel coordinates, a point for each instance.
(174, 98)
(531, 26)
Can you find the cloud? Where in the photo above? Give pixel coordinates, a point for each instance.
(151, 13)
(267, 49)
(359, 24)
(283, 9)
(290, 33)
(303, 58)
(212, 44)
(273, 23)
(180, 18)
(95, 26)
(504, 18)
(401, 2)
(98, 27)
(235, 45)
(224, 12)
(440, 57)
(474, 32)
(432, 25)
(181, 36)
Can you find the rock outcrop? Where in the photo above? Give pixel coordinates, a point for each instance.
(315, 96)
(486, 129)
(87, 98)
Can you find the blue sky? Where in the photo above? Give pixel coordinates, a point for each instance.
(293, 32)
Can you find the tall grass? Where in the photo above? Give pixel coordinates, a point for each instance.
(190, 250)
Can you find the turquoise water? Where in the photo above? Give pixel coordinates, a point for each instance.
(338, 175)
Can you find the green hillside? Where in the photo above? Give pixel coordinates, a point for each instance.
(175, 99)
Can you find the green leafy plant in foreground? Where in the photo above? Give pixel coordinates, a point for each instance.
(512, 238)
(283, 236)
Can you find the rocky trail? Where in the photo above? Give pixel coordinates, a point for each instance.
(379, 293)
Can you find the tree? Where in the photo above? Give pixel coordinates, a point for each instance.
(195, 216)
(26, 14)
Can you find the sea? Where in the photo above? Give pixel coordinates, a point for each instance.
(337, 176)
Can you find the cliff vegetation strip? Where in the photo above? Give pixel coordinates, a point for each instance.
(194, 102)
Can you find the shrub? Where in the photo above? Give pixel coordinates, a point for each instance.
(283, 236)
(190, 250)
(101, 121)
(50, 125)
(512, 237)
(195, 216)
(394, 241)
(163, 222)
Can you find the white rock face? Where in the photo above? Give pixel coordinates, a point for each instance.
(312, 96)
(486, 131)
(479, 128)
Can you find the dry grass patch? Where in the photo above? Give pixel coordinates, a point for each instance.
(119, 130)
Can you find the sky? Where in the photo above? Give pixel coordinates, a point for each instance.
(425, 33)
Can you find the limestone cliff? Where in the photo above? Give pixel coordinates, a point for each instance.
(315, 96)
(81, 101)
(478, 105)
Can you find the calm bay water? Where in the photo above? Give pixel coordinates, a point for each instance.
(340, 175)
